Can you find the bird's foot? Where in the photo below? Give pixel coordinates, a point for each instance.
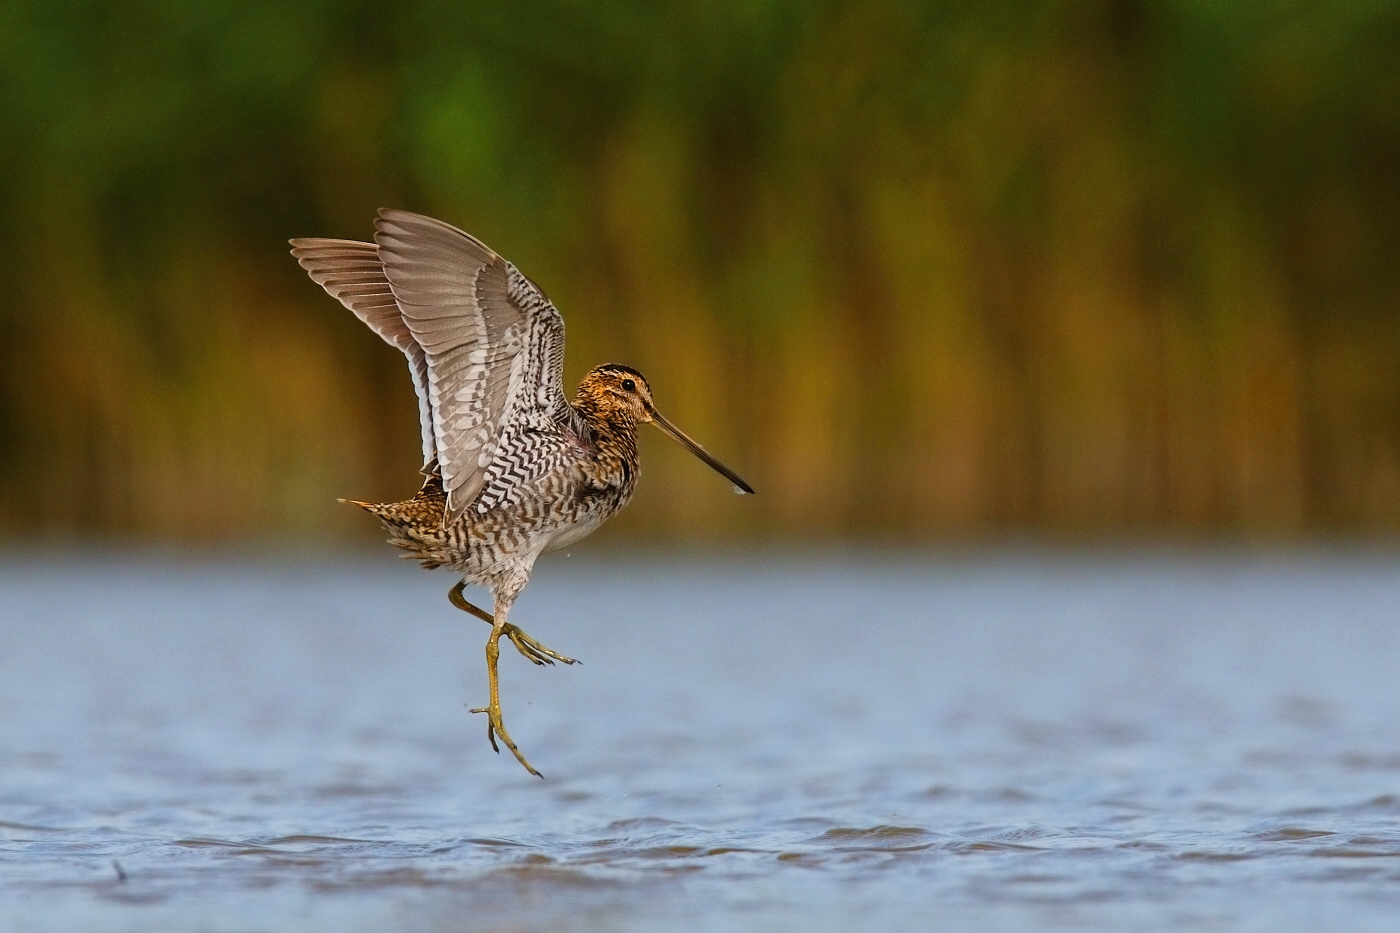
(533, 650)
(495, 726)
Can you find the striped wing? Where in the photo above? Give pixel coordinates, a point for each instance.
(541, 430)
(352, 273)
(494, 348)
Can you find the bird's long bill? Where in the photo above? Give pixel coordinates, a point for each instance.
(702, 453)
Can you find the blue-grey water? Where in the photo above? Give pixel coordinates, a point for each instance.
(1007, 742)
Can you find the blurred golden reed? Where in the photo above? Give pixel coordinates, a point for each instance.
(914, 269)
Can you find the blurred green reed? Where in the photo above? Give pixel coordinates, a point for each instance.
(914, 269)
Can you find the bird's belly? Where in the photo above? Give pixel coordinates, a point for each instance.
(515, 534)
(570, 534)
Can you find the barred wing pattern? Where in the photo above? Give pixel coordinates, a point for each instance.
(531, 442)
(352, 273)
(494, 347)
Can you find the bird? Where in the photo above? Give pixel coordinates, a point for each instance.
(512, 467)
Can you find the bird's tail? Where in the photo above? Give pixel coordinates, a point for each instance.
(415, 525)
(374, 508)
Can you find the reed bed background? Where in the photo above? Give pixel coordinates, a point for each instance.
(917, 270)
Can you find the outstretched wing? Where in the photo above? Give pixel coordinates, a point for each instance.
(494, 347)
(352, 273)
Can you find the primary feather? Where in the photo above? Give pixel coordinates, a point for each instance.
(353, 274)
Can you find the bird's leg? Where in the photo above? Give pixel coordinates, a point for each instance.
(526, 645)
(495, 725)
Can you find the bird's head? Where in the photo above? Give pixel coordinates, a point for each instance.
(619, 389)
(615, 389)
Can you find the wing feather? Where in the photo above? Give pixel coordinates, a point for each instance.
(354, 275)
(485, 345)
(451, 289)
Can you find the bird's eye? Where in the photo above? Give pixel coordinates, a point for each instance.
(629, 385)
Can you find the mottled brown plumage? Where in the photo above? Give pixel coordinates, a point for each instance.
(514, 469)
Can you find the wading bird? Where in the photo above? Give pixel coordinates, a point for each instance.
(513, 468)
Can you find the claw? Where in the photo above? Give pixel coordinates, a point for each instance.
(494, 727)
(532, 649)
(517, 638)
(490, 732)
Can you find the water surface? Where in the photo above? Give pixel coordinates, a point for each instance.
(1010, 742)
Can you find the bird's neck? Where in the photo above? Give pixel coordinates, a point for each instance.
(612, 430)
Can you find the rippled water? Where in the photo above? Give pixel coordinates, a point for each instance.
(1014, 742)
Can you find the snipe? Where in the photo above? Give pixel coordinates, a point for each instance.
(513, 467)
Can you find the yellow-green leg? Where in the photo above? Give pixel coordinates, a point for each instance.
(495, 724)
(533, 650)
